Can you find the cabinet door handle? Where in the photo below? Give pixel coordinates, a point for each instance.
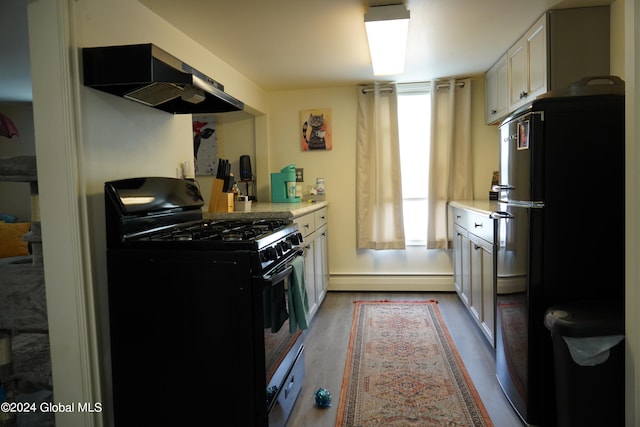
(476, 247)
(523, 94)
(476, 225)
(493, 112)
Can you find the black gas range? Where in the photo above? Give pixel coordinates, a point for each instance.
(166, 213)
(180, 285)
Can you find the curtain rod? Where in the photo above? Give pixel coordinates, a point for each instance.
(442, 86)
(390, 89)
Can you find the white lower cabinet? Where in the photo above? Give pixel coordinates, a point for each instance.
(482, 284)
(310, 275)
(314, 229)
(321, 263)
(461, 253)
(474, 267)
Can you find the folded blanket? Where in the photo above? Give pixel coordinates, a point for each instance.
(298, 303)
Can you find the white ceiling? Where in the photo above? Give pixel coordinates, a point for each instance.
(295, 44)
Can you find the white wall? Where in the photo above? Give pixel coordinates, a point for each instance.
(617, 41)
(236, 137)
(414, 268)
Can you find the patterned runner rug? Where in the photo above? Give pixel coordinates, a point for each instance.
(402, 369)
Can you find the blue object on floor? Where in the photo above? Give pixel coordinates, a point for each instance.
(323, 398)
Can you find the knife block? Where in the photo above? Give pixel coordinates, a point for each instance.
(219, 200)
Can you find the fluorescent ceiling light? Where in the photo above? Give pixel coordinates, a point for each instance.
(387, 28)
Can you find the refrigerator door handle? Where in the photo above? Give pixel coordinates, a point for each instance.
(502, 187)
(501, 215)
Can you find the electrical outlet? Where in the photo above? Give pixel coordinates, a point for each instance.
(299, 175)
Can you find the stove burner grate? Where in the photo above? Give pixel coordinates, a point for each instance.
(227, 230)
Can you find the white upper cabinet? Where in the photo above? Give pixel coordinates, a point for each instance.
(527, 65)
(561, 47)
(497, 91)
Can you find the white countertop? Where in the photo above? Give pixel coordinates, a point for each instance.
(483, 207)
(266, 210)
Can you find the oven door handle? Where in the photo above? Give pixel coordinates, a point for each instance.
(279, 275)
(285, 269)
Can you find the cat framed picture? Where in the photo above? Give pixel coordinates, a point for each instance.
(316, 129)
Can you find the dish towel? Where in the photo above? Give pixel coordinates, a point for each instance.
(298, 303)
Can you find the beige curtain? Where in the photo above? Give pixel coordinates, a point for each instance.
(378, 178)
(451, 168)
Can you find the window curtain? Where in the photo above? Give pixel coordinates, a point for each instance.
(451, 168)
(378, 178)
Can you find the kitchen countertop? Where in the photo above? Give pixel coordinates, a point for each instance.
(268, 210)
(482, 207)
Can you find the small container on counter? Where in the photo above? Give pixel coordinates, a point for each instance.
(243, 206)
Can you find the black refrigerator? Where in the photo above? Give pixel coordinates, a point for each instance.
(560, 232)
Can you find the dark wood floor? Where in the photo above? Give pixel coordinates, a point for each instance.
(326, 346)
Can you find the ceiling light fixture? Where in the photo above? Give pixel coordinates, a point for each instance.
(387, 28)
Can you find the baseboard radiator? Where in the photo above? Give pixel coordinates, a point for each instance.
(391, 282)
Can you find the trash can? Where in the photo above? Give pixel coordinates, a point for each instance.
(588, 353)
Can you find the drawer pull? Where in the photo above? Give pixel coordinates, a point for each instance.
(476, 225)
(287, 389)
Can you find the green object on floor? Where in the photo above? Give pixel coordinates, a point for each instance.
(323, 398)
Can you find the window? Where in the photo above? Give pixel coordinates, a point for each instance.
(414, 126)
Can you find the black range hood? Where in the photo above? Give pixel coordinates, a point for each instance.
(147, 74)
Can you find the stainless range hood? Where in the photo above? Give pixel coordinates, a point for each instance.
(147, 74)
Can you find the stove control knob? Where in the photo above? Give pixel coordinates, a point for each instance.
(269, 254)
(286, 245)
(293, 240)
